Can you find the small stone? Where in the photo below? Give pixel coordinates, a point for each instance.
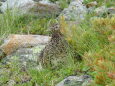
(91, 4)
(36, 0)
(101, 10)
(83, 80)
(67, 81)
(3, 0)
(11, 83)
(111, 10)
(86, 77)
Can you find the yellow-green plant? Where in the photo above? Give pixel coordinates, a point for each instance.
(94, 41)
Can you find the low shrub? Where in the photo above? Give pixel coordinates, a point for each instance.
(94, 41)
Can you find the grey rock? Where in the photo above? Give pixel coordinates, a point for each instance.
(36, 0)
(3, 0)
(83, 80)
(91, 7)
(11, 83)
(38, 7)
(25, 55)
(76, 11)
(101, 10)
(45, 9)
(37, 39)
(111, 10)
(9, 4)
(22, 41)
(29, 53)
(91, 4)
(44, 1)
(20, 61)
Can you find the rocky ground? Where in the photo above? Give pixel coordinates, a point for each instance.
(25, 58)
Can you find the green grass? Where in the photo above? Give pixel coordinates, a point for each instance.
(11, 23)
(107, 3)
(45, 77)
(62, 3)
(92, 39)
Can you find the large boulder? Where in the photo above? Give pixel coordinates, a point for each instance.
(76, 11)
(45, 9)
(37, 7)
(15, 41)
(14, 67)
(24, 4)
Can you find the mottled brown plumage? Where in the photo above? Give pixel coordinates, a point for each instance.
(54, 54)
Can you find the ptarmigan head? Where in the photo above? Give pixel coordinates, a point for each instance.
(55, 27)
